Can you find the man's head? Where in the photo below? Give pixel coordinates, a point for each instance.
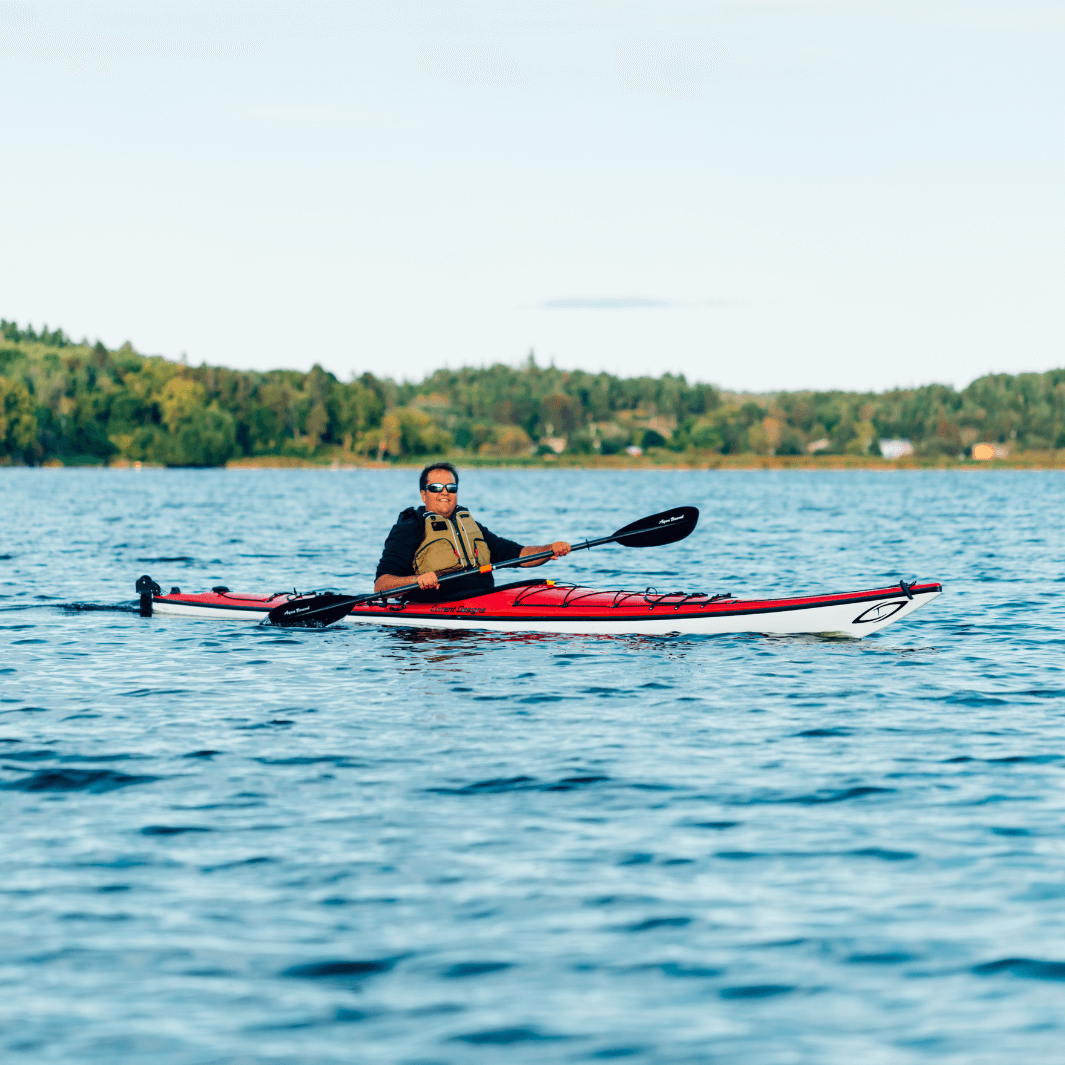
(439, 484)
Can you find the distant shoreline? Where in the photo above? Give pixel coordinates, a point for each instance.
(70, 404)
(1030, 460)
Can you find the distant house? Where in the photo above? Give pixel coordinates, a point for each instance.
(983, 452)
(895, 449)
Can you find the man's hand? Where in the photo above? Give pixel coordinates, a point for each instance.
(560, 548)
(427, 582)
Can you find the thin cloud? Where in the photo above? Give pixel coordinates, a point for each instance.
(625, 303)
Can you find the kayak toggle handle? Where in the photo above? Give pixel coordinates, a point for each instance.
(907, 591)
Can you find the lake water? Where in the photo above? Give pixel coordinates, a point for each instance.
(229, 844)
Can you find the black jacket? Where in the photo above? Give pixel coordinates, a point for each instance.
(406, 536)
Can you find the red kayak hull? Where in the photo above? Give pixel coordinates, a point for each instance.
(541, 606)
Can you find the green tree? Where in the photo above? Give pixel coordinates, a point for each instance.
(18, 421)
(205, 436)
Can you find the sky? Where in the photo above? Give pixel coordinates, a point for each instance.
(761, 194)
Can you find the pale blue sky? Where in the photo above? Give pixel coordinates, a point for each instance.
(763, 194)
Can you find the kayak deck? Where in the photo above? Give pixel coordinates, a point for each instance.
(555, 607)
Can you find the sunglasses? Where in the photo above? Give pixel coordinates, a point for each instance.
(436, 487)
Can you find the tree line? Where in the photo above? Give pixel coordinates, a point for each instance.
(86, 403)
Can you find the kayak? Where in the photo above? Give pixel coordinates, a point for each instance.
(557, 607)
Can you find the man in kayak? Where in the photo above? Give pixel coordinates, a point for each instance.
(442, 537)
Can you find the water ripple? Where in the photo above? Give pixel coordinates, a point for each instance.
(224, 843)
(91, 780)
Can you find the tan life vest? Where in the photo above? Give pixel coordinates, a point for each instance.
(451, 544)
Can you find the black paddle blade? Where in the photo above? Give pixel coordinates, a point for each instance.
(658, 529)
(314, 612)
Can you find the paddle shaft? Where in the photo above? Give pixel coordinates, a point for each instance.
(653, 531)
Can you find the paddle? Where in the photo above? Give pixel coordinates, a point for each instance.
(318, 611)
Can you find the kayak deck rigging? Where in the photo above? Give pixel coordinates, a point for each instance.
(621, 595)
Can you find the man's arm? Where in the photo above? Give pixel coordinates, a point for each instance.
(559, 548)
(504, 550)
(426, 581)
(395, 568)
